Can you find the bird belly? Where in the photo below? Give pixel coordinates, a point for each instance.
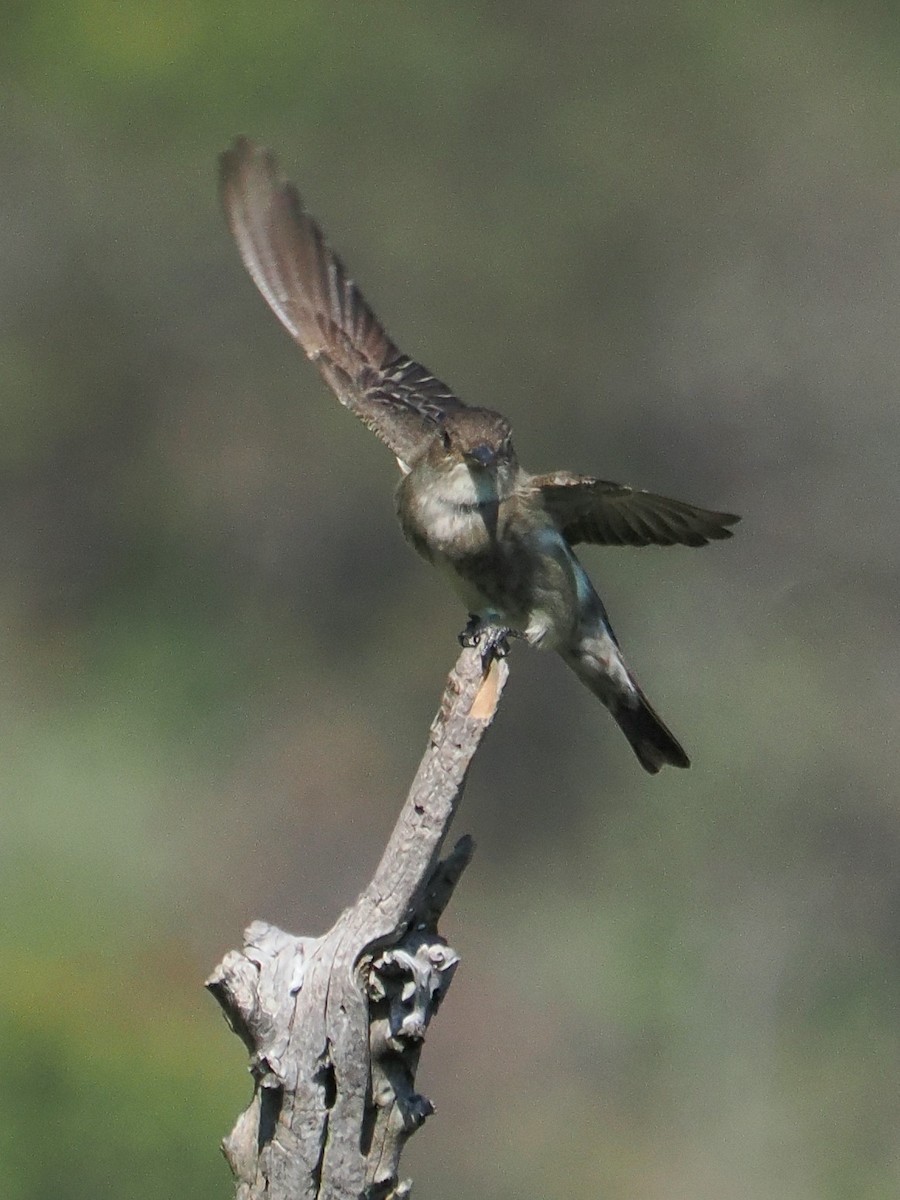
(554, 601)
(478, 567)
(520, 578)
(507, 563)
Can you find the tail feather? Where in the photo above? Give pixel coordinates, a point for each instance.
(600, 667)
(651, 740)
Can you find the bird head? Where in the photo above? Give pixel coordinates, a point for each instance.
(477, 437)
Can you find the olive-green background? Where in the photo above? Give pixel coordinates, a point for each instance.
(663, 238)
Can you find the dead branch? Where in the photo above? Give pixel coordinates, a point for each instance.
(334, 1025)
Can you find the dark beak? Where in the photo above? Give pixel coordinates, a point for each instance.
(483, 455)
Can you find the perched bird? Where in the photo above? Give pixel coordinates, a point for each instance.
(502, 536)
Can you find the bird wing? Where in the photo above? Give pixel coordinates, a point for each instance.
(611, 514)
(306, 286)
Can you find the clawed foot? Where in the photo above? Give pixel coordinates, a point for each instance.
(492, 640)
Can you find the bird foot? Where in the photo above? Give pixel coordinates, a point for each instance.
(492, 640)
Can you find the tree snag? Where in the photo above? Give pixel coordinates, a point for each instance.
(334, 1025)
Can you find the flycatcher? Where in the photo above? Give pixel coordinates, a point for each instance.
(502, 536)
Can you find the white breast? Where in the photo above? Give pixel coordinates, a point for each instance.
(446, 507)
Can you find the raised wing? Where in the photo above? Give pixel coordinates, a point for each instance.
(610, 514)
(306, 286)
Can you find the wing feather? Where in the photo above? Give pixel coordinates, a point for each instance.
(611, 514)
(305, 284)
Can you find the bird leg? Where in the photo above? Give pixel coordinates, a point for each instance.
(491, 639)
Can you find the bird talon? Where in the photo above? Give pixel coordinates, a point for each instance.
(498, 649)
(492, 641)
(471, 635)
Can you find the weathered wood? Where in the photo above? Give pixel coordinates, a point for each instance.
(334, 1025)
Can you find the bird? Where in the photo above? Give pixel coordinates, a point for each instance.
(503, 537)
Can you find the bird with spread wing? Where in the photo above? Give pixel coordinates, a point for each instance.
(502, 536)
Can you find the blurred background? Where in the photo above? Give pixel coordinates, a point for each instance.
(664, 240)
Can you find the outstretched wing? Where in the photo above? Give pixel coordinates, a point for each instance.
(306, 286)
(610, 514)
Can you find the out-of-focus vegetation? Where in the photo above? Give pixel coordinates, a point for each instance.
(663, 239)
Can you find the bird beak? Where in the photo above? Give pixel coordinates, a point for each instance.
(483, 455)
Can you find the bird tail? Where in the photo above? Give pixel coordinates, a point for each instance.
(599, 665)
(650, 738)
